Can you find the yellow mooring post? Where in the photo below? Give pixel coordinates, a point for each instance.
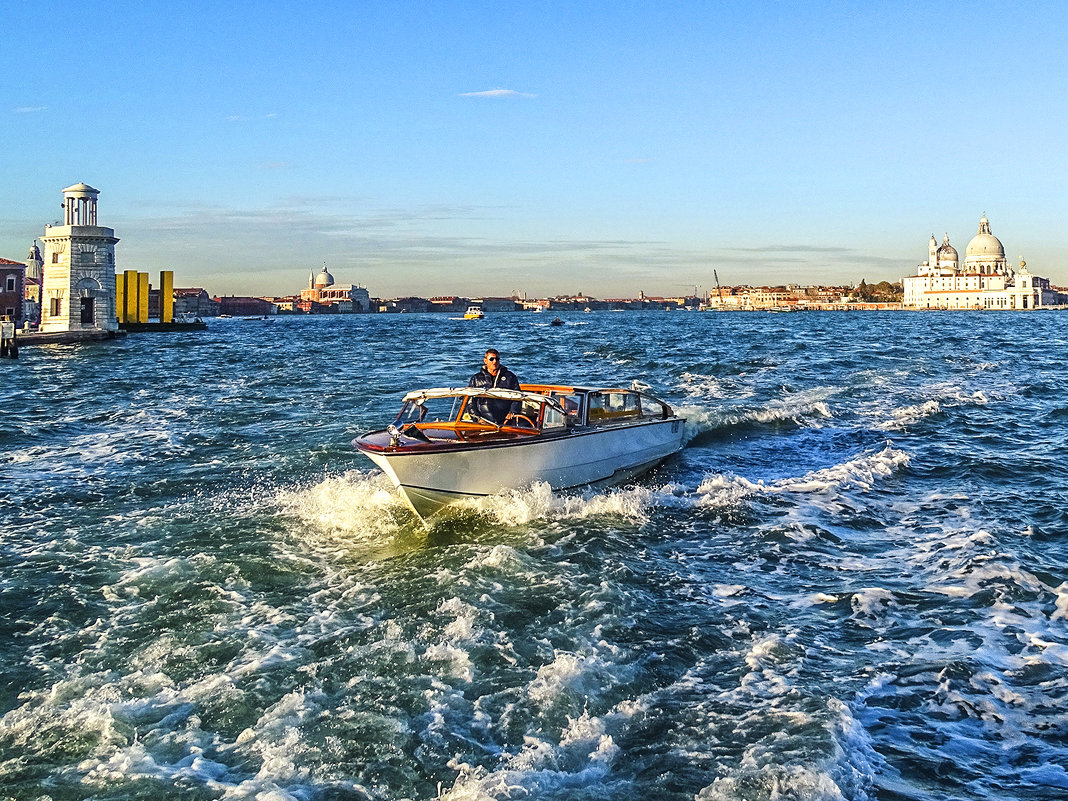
(129, 308)
(142, 297)
(166, 296)
(120, 297)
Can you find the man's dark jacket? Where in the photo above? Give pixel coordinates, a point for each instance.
(496, 410)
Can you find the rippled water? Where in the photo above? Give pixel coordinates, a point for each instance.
(851, 584)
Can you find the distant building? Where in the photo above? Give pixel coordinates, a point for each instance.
(287, 305)
(409, 304)
(496, 304)
(34, 281)
(984, 281)
(245, 306)
(348, 298)
(79, 267)
(449, 304)
(194, 302)
(12, 291)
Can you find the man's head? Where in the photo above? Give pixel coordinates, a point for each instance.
(492, 361)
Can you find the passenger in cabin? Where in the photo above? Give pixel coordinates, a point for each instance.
(495, 375)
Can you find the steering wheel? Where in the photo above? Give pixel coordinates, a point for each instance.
(526, 420)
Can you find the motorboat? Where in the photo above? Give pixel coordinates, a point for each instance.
(453, 443)
(556, 321)
(474, 313)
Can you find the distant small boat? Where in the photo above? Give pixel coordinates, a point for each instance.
(587, 310)
(225, 316)
(557, 321)
(474, 313)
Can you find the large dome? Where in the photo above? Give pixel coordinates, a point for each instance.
(985, 245)
(324, 279)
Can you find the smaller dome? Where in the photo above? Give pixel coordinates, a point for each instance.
(324, 279)
(81, 188)
(947, 251)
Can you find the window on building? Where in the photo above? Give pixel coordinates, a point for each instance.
(11, 283)
(55, 307)
(55, 258)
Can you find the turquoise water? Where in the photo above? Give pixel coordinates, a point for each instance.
(851, 584)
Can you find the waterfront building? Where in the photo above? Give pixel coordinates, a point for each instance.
(496, 304)
(194, 302)
(238, 306)
(449, 304)
(12, 291)
(345, 298)
(34, 279)
(78, 290)
(984, 280)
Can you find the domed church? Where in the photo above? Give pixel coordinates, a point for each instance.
(340, 297)
(984, 281)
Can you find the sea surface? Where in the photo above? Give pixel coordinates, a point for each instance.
(851, 584)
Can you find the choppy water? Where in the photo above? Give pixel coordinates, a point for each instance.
(850, 585)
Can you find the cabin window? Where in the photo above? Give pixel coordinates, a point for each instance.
(572, 405)
(613, 406)
(553, 419)
(653, 408)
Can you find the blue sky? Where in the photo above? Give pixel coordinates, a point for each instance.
(480, 148)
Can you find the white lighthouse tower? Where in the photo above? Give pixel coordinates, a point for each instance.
(79, 268)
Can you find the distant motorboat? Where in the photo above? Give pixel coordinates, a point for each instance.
(474, 313)
(587, 310)
(557, 321)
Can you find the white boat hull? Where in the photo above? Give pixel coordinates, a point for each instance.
(431, 480)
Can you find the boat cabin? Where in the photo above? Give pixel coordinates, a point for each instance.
(473, 414)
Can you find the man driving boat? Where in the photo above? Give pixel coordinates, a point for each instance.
(495, 375)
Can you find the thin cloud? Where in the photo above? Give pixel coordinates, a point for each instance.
(30, 109)
(497, 93)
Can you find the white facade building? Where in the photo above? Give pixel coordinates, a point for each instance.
(984, 281)
(78, 291)
(347, 297)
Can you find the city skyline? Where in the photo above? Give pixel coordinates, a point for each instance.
(462, 149)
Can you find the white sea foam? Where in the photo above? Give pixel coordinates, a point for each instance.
(936, 399)
(353, 512)
(862, 472)
(696, 385)
(540, 502)
(871, 603)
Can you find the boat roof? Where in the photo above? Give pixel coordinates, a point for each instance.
(419, 395)
(535, 393)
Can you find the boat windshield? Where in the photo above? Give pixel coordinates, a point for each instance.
(467, 405)
(430, 410)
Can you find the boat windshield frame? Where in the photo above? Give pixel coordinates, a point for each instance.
(462, 398)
